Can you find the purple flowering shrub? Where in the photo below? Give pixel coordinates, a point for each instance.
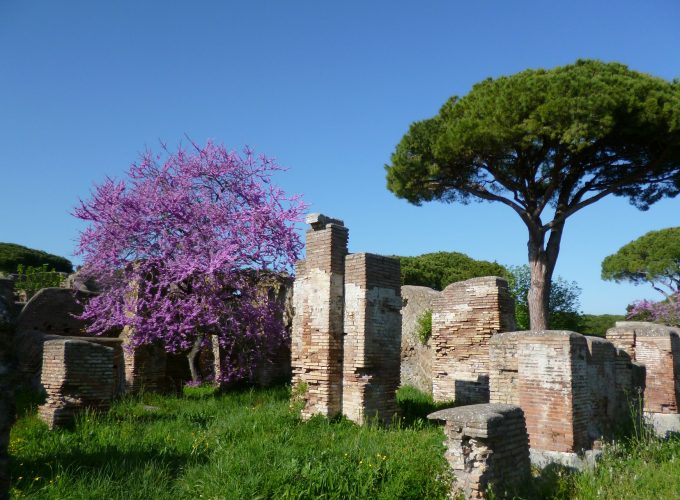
(666, 312)
(180, 249)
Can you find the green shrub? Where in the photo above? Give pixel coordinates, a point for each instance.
(31, 279)
(424, 330)
(13, 255)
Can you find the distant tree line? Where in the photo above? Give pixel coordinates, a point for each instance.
(12, 256)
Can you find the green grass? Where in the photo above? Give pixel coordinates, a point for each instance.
(245, 444)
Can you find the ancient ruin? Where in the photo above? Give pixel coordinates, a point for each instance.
(7, 379)
(372, 324)
(356, 297)
(464, 318)
(574, 390)
(76, 375)
(416, 357)
(318, 298)
(657, 347)
(487, 447)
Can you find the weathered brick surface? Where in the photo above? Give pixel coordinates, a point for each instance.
(486, 445)
(657, 347)
(464, 318)
(574, 390)
(504, 368)
(416, 357)
(76, 375)
(553, 389)
(318, 298)
(372, 341)
(145, 366)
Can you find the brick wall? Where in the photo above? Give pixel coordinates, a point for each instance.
(464, 318)
(553, 389)
(318, 298)
(486, 445)
(657, 347)
(76, 375)
(372, 342)
(504, 368)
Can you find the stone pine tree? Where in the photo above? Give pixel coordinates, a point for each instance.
(653, 258)
(547, 143)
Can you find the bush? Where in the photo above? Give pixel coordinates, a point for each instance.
(13, 255)
(424, 330)
(31, 279)
(440, 269)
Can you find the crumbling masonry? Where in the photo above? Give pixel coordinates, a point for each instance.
(372, 344)
(464, 318)
(346, 329)
(76, 375)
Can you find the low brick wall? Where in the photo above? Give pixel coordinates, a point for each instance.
(486, 446)
(657, 347)
(464, 318)
(76, 375)
(504, 368)
(372, 341)
(145, 366)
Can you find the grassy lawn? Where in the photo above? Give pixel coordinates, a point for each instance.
(247, 444)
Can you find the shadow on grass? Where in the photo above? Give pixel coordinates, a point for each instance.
(415, 406)
(110, 461)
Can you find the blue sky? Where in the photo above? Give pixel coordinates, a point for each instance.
(328, 88)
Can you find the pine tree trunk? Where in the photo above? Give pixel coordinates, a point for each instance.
(542, 261)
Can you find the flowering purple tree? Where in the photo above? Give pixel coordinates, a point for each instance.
(181, 247)
(666, 312)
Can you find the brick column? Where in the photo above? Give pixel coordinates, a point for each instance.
(145, 366)
(372, 344)
(553, 389)
(464, 318)
(486, 446)
(76, 375)
(318, 298)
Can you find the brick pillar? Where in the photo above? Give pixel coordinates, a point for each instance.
(553, 389)
(486, 446)
(318, 298)
(76, 375)
(464, 318)
(372, 344)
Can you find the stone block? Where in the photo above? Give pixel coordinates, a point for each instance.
(486, 446)
(77, 375)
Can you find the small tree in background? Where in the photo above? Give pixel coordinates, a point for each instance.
(180, 246)
(653, 259)
(563, 303)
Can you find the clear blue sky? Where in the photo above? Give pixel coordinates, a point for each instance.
(328, 88)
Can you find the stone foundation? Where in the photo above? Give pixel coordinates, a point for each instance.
(372, 323)
(486, 446)
(464, 318)
(76, 375)
(318, 299)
